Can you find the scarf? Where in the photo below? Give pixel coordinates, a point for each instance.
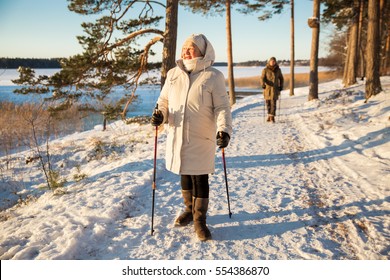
(190, 64)
(273, 68)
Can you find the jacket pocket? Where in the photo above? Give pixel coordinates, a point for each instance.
(187, 130)
(206, 96)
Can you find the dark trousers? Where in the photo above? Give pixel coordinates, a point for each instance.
(271, 107)
(198, 184)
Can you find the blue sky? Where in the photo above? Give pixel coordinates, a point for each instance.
(46, 28)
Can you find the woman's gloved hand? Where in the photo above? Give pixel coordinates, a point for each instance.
(222, 139)
(157, 118)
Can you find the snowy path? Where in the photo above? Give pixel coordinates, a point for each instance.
(297, 191)
(288, 202)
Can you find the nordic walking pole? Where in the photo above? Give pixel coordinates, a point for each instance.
(154, 171)
(263, 107)
(226, 181)
(280, 104)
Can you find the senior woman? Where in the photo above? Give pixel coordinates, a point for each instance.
(194, 104)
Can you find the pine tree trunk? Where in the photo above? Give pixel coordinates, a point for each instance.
(361, 51)
(292, 55)
(350, 68)
(232, 93)
(313, 85)
(373, 83)
(348, 56)
(169, 48)
(387, 54)
(384, 34)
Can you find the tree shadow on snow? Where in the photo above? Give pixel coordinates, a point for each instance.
(370, 140)
(250, 226)
(246, 108)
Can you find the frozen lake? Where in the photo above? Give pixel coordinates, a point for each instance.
(6, 75)
(147, 95)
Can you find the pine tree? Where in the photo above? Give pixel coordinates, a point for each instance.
(350, 68)
(292, 50)
(314, 24)
(111, 58)
(229, 40)
(169, 49)
(373, 83)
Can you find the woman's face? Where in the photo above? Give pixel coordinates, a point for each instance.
(272, 62)
(190, 51)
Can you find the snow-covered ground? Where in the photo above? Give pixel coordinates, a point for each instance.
(314, 185)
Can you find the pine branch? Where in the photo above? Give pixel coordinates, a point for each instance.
(133, 35)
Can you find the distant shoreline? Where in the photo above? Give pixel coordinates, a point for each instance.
(50, 63)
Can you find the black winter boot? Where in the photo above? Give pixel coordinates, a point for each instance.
(186, 217)
(200, 206)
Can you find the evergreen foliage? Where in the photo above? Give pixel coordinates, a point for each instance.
(267, 7)
(349, 45)
(112, 56)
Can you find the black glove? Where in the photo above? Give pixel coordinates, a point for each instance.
(157, 118)
(280, 88)
(222, 139)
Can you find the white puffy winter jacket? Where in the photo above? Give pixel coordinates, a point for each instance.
(195, 106)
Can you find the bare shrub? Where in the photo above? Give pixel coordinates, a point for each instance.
(15, 131)
(30, 126)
